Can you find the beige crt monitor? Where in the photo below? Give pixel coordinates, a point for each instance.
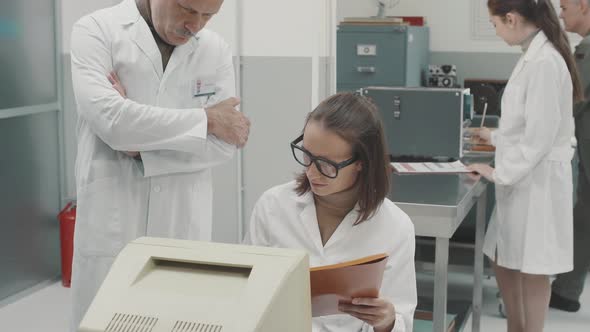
(165, 285)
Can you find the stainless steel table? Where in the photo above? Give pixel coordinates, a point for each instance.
(437, 205)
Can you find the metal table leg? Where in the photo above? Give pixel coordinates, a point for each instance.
(441, 265)
(479, 259)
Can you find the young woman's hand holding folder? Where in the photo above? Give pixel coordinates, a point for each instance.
(377, 312)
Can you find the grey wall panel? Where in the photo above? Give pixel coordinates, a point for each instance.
(276, 95)
(225, 202)
(27, 54)
(478, 65)
(29, 201)
(225, 197)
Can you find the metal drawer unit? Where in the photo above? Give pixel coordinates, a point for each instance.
(381, 55)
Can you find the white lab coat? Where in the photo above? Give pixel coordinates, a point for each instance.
(169, 194)
(283, 219)
(532, 227)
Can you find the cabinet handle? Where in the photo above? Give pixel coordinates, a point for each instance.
(366, 69)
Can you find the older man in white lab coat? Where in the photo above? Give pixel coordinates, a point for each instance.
(144, 161)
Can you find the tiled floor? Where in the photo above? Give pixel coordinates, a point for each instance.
(47, 310)
(491, 321)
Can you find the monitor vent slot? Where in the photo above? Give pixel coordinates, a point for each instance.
(181, 326)
(131, 323)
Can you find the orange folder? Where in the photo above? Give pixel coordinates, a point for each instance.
(333, 284)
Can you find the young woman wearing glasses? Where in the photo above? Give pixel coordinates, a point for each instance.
(337, 210)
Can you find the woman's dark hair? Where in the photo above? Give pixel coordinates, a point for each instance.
(357, 121)
(542, 14)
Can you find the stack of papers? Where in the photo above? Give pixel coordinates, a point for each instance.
(430, 168)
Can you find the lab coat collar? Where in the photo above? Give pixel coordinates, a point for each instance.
(305, 199)
(308, 217)
(309, 220)
(536, 45)
(182, 52)
(142, 36)
(344, 228)
(534, 48)
(130, 14)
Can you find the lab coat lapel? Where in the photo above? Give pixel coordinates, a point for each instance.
(182, 52)
(534, 48)
(344, 228)
(309, 220)
(517, 69)
(142, 36)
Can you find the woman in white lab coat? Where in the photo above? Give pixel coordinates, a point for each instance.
(337, 211)
(530, 234)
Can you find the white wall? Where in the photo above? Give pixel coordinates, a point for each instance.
(269, 30)
(282, 27)
(450, 22)
(225, 23)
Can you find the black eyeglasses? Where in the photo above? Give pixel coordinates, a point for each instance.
(327, 167)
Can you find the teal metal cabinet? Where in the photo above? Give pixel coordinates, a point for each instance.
(381, 55)
(425, 122)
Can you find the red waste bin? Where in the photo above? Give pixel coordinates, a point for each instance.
(67, 221)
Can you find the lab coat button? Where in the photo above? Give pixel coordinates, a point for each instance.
(157, 189)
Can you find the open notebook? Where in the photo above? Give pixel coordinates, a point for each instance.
(342, 282)
(430, 168)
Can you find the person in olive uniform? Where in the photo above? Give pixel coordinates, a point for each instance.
(567, 287)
